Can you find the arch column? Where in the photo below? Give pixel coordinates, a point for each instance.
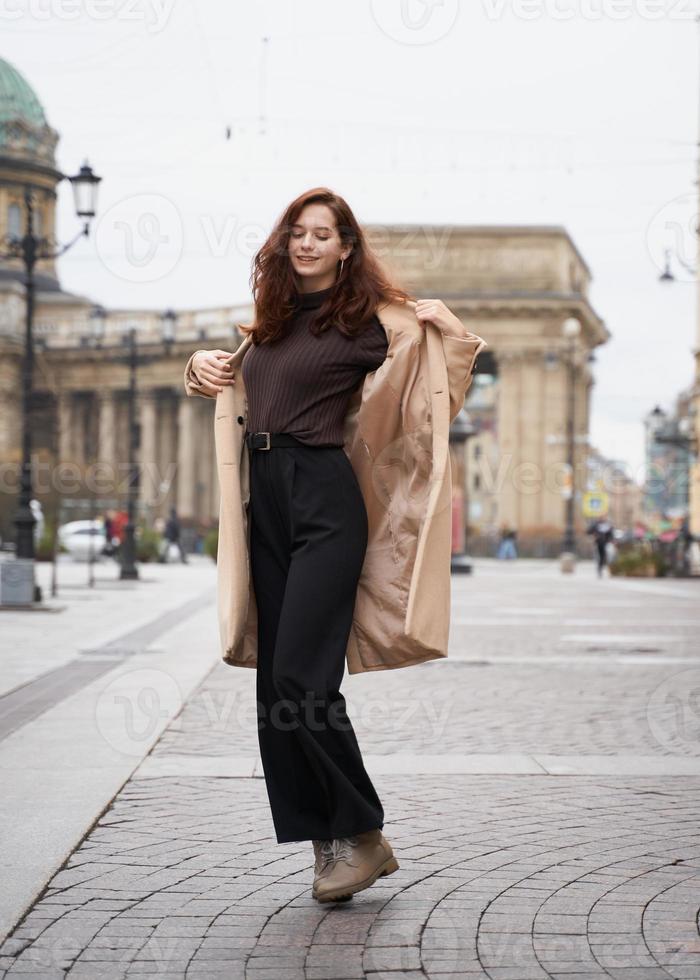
(65, 427)
(532, 412)
(186, 422)
(106, 427)
(166, 455)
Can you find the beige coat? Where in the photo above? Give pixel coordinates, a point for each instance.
(396, 437)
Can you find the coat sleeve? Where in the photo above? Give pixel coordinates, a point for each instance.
(461, 351)
(193, 386)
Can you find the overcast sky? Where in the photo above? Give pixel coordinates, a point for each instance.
(582, 114)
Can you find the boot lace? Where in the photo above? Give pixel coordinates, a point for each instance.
(342, 847)
(333, 850)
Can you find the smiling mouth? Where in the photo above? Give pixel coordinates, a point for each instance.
(309, 259)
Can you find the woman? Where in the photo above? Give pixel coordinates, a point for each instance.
(316, 336)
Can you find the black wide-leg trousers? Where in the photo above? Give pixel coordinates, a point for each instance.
(308, 536)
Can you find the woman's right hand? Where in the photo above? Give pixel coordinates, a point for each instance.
(211, 369)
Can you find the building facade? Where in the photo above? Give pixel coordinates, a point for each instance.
(514, 286)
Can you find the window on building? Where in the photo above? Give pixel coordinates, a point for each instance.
(14, 221)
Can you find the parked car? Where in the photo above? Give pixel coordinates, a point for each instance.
(78, 537)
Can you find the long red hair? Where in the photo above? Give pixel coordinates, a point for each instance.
(362, 287)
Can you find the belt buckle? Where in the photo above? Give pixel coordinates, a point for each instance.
(268, 439)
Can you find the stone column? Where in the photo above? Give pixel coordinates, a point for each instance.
(509, 432)
(65, 428)
(107, 471)
(530, 476)
(10, 404)
(186, 421)
(167, 451)
(106, 427)
(148, 461)
(530, 402)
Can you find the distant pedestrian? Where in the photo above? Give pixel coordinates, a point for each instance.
(111, 544)
(507, 548)
(38, 514)
(602, 531)
(171, 535)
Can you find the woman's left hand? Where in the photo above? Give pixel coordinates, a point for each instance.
(435, 311)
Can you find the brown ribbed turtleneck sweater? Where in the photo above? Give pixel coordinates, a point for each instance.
(302, 383)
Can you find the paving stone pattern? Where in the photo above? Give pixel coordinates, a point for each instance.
(511, 878)
(456, 706)
(507, 877)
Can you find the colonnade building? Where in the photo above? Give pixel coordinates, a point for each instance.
(514, 286)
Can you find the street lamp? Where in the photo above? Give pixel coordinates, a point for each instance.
(168, 327)
(85, 184)
(571, 328)
(98, 316)
(667, 275)
(31, 248)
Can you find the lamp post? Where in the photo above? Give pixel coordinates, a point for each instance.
(571, 328)
(31, 248)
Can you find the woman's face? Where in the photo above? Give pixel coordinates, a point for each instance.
(315, 248)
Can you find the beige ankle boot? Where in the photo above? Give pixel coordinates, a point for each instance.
(354, 863)
(323, 853)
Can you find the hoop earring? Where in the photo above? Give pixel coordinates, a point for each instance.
(342, 261)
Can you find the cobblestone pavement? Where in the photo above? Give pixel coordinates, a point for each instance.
(502, 875)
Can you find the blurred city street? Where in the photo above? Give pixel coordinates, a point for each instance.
(540, 786)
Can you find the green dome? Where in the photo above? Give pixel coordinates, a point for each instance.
(17, 98)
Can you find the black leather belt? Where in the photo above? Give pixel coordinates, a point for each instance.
(270, 440)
